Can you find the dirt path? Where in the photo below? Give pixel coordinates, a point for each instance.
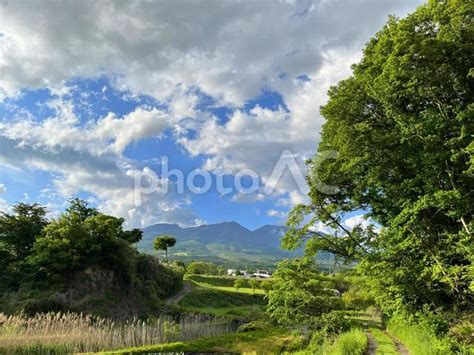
(176, 298)
(400, 347)
(372, 348)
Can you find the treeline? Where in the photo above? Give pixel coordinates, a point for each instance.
(82, 260)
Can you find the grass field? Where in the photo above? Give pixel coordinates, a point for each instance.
(222, 283)
(242, 306)
(275, 341)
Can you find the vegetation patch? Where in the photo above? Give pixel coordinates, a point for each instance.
(275, 341)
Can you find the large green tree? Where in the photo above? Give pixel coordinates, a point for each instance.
(402, 126)
(297, 294)
(82, 237)
(19, 230)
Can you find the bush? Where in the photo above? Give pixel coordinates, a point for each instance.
(203, 268)
(353, 342)
(333, 322)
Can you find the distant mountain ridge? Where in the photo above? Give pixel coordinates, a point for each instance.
(227, 242)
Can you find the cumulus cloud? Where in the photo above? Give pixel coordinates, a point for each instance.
(108, 134)
(92, 163)
(226, 50)
(230, 50)
(275, 213)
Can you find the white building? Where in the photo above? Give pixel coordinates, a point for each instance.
(236, 272)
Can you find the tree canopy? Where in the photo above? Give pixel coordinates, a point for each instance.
(163, 242)
(402, 126)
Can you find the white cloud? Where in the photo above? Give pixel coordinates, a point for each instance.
(275, 213)
(3, 189)
(171, 51)
(230, 50)
(108, 134)
(256, 140)
(356, 220)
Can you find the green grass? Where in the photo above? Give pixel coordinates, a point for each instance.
(419, 341)
(385, 345)
(251, 312)
(241, 306)
(222, 283)
(353, 342)
(274, 341)
(240, 290)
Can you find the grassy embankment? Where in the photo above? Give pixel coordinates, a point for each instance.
(216, 296)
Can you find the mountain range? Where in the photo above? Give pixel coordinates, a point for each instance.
(227, 242)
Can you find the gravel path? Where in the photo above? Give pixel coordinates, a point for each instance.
(176, 298)
(372, 348)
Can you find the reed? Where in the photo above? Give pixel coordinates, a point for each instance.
(70, 332)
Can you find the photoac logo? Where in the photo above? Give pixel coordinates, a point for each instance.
(148, 182)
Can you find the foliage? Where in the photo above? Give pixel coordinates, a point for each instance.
(353, 342)
(203, 268)
(402, 127)
(83, 260)
(358, 297)
(163, 242)
(78, 240)
(254, 284)
(239, 283)
(297, 295)
(18, 232)
(333, 322)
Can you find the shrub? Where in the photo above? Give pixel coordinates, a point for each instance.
(353, 342)
(333, 322)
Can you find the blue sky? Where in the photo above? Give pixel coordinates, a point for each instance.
(93, 94)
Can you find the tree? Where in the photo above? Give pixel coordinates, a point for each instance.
(81, 208)
(239, 283)
(19, 230)
(164, 242)
(203, 268)
(402, 126)
(254, 284)
(78, 240)
(297, 296)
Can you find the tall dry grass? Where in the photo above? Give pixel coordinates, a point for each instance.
(69, 332)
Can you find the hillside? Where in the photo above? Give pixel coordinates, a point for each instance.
(225, 242)
(228, 243)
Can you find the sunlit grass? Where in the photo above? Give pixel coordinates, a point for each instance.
(275, 341)
(385, 345)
